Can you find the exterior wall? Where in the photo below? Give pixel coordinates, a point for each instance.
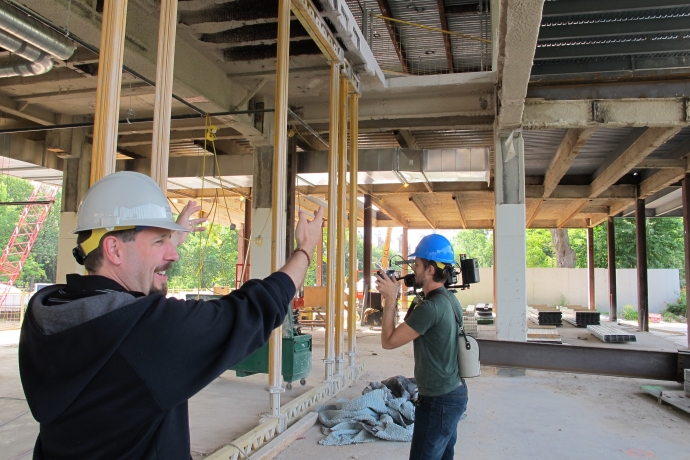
(546, 285)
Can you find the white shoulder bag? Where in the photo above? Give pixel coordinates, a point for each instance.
(468, 350)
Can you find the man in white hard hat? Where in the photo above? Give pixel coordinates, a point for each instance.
(107, 362)
(433, 328)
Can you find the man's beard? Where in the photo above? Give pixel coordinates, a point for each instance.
(162, 290)
(418, 283)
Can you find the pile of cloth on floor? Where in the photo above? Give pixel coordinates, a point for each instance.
(384, 411)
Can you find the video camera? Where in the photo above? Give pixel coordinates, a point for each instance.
(467, 270)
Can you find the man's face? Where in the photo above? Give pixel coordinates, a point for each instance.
(419, 273)
(148, 257)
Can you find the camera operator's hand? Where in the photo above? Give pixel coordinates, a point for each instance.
(388, 287)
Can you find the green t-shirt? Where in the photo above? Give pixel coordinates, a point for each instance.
(436, 348)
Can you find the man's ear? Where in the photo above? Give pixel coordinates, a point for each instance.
(113, 250)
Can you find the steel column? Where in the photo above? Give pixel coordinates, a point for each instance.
(366, 255)
(354, 168)
(331, 284)
(340, 256)
(104, 150)
(275, 342)
(590, 266)
(642, 288)
(611, 240)
(686, 238)
(165, 63)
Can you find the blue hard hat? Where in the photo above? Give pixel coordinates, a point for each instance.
(435, 247)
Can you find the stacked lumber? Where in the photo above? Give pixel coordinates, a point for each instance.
(543, 334)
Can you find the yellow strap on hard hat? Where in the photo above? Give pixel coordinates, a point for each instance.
(92, 242)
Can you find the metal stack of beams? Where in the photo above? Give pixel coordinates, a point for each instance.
(687, 382)
(484, 313)
(581, 317)
(611, 334)
(545, 316)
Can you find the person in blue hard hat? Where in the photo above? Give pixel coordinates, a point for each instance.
(433, 329)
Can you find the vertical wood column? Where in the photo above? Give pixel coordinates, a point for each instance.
(165, 63)
(354, 168)
(107, 114)
(611, 243)
(319, 261)
(275, 342)
(331, 284)
(342, 206)
(686, 237)
(642, 288)
(590, 267)
(366, 255)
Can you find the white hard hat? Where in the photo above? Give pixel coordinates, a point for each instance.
(125, 199)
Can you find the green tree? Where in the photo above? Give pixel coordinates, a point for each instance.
(477, 244)
(540, 252)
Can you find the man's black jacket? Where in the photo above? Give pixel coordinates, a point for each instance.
(107, 373)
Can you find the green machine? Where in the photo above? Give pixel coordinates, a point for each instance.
(296, 359)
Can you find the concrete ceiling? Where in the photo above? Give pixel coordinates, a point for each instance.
(600, 129)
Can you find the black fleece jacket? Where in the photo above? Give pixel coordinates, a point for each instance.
(107, 373)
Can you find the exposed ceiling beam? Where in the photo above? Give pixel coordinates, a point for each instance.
(533, 211)
(481, 122)
(393, 32)
(600, 88)
(619, 206)
(518, 29)
(623, 146)
(638, 151)
(390, 212)
(611, 113)
(136, 89)
(177, 136)
(614, 28)
(660, 180)
(262, 33)
(610, 6)
(680, 151)
(446, 37)
(405, 138)
(623, 64)
(21, 110)
(568, 149)
(658, 163)
(571, 211)
(423, 210)
(570, 192)
(458, 203)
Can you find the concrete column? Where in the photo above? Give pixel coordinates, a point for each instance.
(510, 301)
(611, 243)
(262, 215)
(75, 180)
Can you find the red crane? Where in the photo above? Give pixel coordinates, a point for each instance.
(24, 236)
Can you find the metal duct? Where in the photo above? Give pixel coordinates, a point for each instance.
(21, 68)
(39, 62)
(35, 33)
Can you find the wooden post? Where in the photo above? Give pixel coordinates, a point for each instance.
(611, 242)
(590, 267)
(642, 289)
(275, 342)
(686, 235)
(354, 168)
(340, 256)
(107, 114)
(331, 281)
(165, 63)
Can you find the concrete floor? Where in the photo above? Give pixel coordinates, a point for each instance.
(511, 415)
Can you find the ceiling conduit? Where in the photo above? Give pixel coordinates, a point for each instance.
(32, 41)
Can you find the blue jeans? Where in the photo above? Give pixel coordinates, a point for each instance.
(436, 425)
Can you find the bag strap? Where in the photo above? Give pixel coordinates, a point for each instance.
(457, 320)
